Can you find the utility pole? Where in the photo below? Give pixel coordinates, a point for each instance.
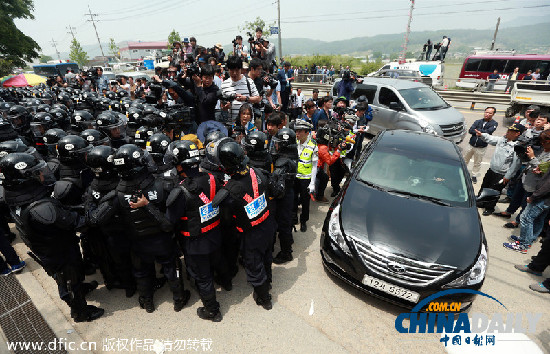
(495, 36)
(54, 43)
(404, 52)
(95, 28)
(279, 25)
(71, 31)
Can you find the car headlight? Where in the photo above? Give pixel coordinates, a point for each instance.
(474, 275)
(335, 231)
(427, 127)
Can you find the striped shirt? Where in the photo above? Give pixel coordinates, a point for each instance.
(230, 87)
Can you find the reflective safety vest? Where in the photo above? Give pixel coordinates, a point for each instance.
(305, 163)
(200, 217)
(350, 138)
(254, 209)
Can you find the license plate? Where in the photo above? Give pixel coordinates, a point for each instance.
(391, 289)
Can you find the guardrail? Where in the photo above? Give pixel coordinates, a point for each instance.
(452, 95)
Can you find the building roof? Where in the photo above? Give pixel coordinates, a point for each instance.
(146, 45)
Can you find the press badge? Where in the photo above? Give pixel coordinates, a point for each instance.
(255, 207)
(208, 212)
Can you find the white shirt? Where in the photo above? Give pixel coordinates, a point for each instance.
(217, 82)
(300, 100)
(229, 87)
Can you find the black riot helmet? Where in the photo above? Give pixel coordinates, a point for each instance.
(20, 118)
(255, 142)
(12, 146)
(82, 120)
(72, 149)
(5, 107)
(213, 136)
(134, 117)
(51, 138)
(100, 160)
(232, 156)
(284, 141)
(43, 108)
(47, 98)
(61, 117)
(157, 146)
(141, 136)
(41, 122)
(111, 95)
(95, 137)
(129, 161)
(137, 104)
(102, 104)
(6, 131)
(60, 106)
(112, 125)
(184, 153)
(18, 169)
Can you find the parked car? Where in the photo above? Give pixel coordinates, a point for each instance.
(402, 104)
(405, 224)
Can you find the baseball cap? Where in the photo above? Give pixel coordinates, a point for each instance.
(517, 127)
(186, 40)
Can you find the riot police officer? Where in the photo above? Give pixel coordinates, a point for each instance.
(140, 200)
(48, 229)
(244, 205)
(108, 240)
(255, 146)
(285, 155)
(197, 224)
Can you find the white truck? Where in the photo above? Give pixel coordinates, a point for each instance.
(525, 94)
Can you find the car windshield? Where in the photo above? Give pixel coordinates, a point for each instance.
(423, 98)
(440, 181)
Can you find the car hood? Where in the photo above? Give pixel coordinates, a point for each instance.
(410, 227)
(443, 116)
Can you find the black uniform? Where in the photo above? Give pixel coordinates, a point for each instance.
(150, 233)
(48, 229)
(285, 167)
(246, 208)
(198, 229)
(110, 241)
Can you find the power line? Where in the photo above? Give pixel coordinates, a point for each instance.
(423, 14)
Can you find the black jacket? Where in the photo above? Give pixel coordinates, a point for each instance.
(206, 102)
(489, 128)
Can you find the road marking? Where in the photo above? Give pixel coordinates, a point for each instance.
(311, 308)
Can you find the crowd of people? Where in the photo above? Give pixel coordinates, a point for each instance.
(205, 163)
(520, 164)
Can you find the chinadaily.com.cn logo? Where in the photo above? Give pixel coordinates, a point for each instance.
(460, 328)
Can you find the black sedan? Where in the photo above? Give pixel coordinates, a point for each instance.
(405, 225)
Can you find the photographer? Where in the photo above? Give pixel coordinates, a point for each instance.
(238, 88)
(253, 41)
(239, 49)
(265, 84)
(206, 93)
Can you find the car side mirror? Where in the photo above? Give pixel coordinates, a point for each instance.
(396, 106)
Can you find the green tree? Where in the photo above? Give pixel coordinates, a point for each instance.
(113, 48)
(173, 37)
(258, 22)
(45, 58)
(394, 56)
(77, 54)
(15, 46)
(377, 55)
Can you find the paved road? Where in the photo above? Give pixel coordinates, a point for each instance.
(312, 312)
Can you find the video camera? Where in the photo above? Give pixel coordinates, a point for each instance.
(155, 94)
(523, 143)
(178, 117)
(225, 98)
(252, 39)
(270, 80)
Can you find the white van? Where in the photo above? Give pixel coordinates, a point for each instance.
(431, 68)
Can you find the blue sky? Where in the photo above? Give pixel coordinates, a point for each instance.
(218, 20)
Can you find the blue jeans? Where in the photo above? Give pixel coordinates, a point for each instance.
(532, 222)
